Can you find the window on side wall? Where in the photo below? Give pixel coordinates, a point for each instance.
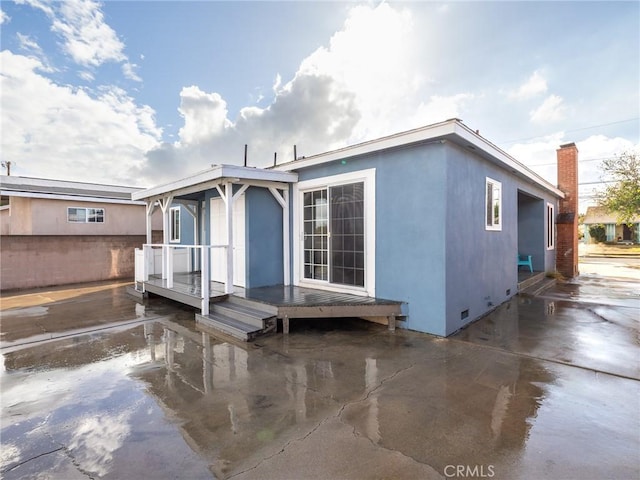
(551, 227)
(175, 224)
(493, 205)
(85, 215)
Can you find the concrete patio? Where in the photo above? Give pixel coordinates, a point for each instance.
(96, 385)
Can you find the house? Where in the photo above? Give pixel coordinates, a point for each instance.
(57, 232)
(426, 223)
(613, 229)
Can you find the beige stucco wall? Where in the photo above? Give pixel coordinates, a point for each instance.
(28, 261)
(19, 217)
(36, 216)
(4, 220)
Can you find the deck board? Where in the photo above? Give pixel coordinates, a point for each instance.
(288, 301)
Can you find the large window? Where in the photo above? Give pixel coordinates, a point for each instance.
(334, 234)
(85, 215)
(316, 235)
(347, 234)
(551, 230)
(493, 205)
(335, 231)
(174, 235)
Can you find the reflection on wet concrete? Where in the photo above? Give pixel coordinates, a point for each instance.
(163, 399)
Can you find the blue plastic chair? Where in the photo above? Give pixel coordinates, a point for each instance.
(525, 261)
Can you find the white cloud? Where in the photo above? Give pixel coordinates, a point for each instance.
(205, 115)
(86, 75)
(540, 156)
(440, 108)
(56, 131)
(4, 18)
(29, 45)
(363, 85)
(25, 42)
(128, 69)
(551, 110)
(535, 85)
(87, 38)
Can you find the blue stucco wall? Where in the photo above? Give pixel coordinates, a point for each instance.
(264, 260)
(531, 228)
(481, 270)
(410, 238)
(480, 262)
(187, 222)
(432, 248)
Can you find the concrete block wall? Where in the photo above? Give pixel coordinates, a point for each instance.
(45, 260)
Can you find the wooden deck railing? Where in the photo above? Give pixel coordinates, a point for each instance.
(186, 261)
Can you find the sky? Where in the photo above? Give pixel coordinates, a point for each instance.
(142, 92)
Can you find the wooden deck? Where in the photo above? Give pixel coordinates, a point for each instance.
(285, 302)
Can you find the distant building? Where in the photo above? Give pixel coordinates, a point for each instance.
(58, 232)
(614, 230)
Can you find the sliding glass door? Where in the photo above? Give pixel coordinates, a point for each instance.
(334, 234)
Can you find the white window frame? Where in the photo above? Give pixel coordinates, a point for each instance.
(174, 234)
(496, 186)
(367, 176)
(87, 214)
(551, 227)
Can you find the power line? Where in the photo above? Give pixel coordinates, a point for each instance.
(573, 130)
(579, 161)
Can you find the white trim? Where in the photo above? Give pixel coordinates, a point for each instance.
(450, 130)
(86, 217)
(367, 176)
(73, 198)
(174, 237)
(495, 184)
(22, 184)
(550, 227)
(220, 174)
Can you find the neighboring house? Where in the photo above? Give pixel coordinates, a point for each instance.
(433, 218)
(614, 230)
(58, 232)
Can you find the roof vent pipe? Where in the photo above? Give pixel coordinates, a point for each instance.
(295, 153)
(275, 158)
(245, 154)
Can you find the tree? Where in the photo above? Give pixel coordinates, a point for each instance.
(622, 194)
(598, 233)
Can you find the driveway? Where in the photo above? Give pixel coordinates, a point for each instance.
(543, 387)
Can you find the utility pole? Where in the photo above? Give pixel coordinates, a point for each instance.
(7, 165)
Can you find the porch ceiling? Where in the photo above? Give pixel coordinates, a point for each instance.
(216, 175)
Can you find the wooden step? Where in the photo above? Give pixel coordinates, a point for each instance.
(263, 307)
(229, 326)
(242, 312)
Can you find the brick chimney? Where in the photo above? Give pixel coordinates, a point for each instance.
(567, 219)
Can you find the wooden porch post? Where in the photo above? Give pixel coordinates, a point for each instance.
(228, 287)
(286, 254)
(151, 206)
(283, 200)
(165, 203)
(204, 278)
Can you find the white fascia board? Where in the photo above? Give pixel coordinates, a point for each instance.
(423, 134)
(43, 183)
(216, 174)
(453, 130)
(73, 198)
(503, 158)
